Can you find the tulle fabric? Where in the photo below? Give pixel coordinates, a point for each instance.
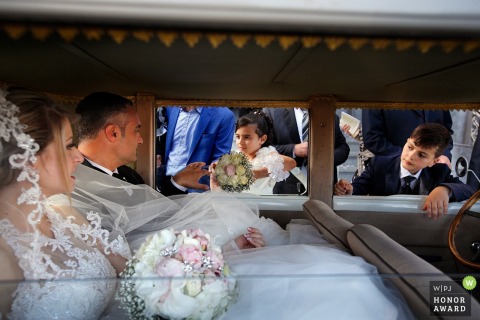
(299, 275)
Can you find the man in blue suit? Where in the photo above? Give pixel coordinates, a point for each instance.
(416, 171)
(385, 131)
(196, 134)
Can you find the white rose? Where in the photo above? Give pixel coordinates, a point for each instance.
(193, 286)
(243, 180)
(222, 179)
(237, 159)
(240, 170)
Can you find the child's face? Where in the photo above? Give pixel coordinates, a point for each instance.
(247, 140)
(415, 158)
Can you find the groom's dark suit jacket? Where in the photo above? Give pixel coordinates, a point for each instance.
(286, 136)
(382, 178)
(126, 173)
(129, 175)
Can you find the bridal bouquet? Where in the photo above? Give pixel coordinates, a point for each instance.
(177, 275)
(234, 172)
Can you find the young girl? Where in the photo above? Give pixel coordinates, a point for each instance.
(253, 137)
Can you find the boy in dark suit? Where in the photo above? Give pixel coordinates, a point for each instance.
(416, 171)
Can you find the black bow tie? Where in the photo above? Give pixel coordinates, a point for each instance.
(118, 176)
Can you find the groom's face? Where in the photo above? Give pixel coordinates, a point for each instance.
(130, 140)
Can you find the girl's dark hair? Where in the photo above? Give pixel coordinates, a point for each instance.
(262, 121)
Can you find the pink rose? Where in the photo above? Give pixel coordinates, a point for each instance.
(230, 170)
(168, 267)
(190, 254)
(201, 237)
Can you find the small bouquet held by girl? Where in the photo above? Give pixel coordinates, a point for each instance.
(257, 166)
(234, 172)
(177, 275)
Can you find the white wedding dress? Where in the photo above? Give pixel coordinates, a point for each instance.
(298, 275)
(66, 277)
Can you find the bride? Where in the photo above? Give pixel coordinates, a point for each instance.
(39, 241)
(298, 274)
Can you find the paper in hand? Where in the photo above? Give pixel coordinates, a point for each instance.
(352, 122)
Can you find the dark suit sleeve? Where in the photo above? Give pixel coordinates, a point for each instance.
(362, 184)
(460, 190)
(279, 124)
(168, 189)
(447, 123)
(373, 131)
(474, 165)
(342, 149)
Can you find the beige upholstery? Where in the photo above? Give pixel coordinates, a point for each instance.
(332, 227)
(391, 258)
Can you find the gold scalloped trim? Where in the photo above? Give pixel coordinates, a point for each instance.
(471, 45)
(41, 33)
(68, 33)
(381, 44)
(310, 42)
(333, 43)
(167, 38)
(287, 41)
(15, 31)
(425, 45)
(93, 33)
(402, 44)
(240, 40)
(191, 38)
(449, 45)
(118, 35)
(357, 43)
(143, 35)
(263, 40)
(216, 39)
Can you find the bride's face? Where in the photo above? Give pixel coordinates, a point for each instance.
(53, 179)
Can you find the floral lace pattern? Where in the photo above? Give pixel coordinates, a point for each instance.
(69, 255)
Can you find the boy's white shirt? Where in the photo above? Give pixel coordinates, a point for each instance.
(405, 173)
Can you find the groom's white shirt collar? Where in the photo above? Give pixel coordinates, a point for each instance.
(96, 165)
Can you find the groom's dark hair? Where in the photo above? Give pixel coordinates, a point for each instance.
(99, 109)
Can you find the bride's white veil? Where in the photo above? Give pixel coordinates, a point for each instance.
(136, 210)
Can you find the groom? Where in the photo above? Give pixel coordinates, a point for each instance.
(108, 135)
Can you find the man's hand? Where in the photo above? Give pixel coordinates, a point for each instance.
(252, 239)
(343, 188)
(189, 176)
(301, 149)
(436, 204)
(444, 159)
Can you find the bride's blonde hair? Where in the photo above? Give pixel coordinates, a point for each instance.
(43, 120)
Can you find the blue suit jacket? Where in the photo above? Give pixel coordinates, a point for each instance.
(386, 131)
(382, 178)
(213, 135)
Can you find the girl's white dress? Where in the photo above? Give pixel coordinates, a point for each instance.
(267, 157)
